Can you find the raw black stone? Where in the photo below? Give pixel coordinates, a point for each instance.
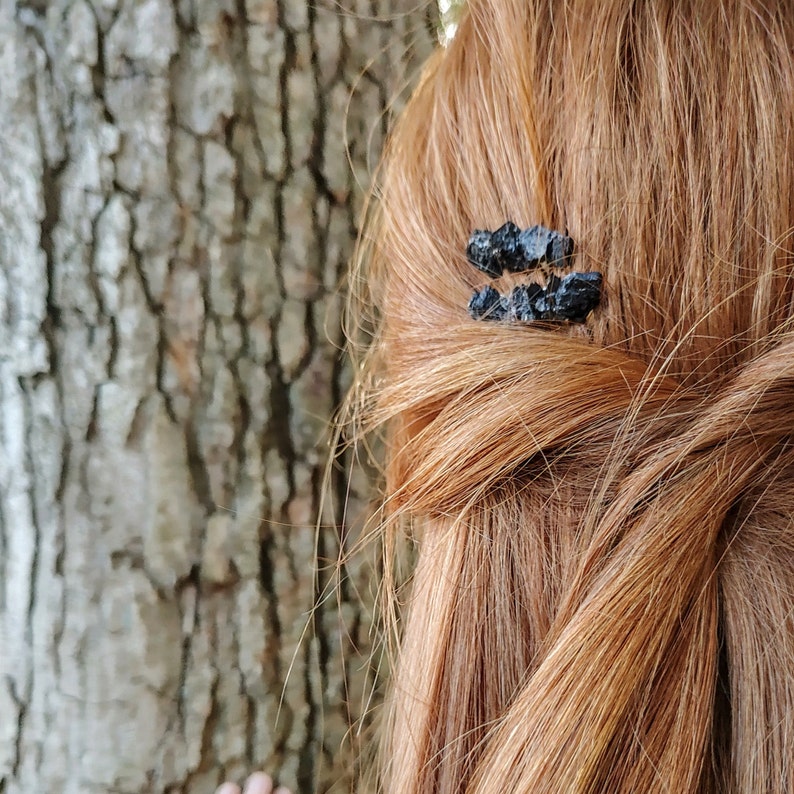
(481, 253)
(576, 296)
(559, 250)
(570, 298)
(553, 284)
(509, 248)
(508, 252)
(544, 306)
(487, 304)
(540, 245)
(522, 303)
(534, 243)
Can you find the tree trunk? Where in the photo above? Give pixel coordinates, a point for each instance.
(176, 210)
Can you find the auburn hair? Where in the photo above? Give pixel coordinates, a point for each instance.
(603, 513)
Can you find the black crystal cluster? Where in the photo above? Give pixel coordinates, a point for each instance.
(568, 298)
(571, 298)
(514, 250)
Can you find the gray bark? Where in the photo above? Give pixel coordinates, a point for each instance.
(176, 210)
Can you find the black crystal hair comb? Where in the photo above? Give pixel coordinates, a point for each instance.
(509, 249)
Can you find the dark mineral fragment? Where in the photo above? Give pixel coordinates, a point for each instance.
(522, 303)
(510, 249)
(576, 296)
(544, 303)
(487, 304)
(559, 250)
(507, 250)
(570, 298)
(480, 252)
(540, 245)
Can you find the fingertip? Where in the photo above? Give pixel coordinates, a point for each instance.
(258, 783)
(282, 790)
(228, 788)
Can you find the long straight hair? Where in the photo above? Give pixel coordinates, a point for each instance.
(604, 512)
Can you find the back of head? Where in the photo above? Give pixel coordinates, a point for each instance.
(604, 591)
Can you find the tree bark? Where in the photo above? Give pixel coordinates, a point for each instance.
(176, 210)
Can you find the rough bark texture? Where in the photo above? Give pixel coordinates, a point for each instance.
(176, 209)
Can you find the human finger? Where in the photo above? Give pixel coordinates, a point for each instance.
(259, 783)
